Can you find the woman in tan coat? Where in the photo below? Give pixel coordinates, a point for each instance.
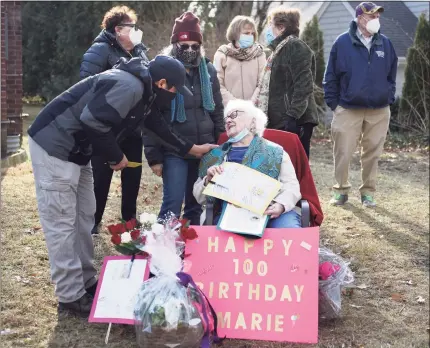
(240, 62)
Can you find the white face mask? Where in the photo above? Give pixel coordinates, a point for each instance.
(239, 136)
(135, 36)
(373, 26)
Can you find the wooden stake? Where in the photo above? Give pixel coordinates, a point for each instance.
(108, 333)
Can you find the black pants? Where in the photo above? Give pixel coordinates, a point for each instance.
(305, 135)
(130, 180)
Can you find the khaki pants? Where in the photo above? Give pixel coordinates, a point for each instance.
(349, 126)
(66, 204)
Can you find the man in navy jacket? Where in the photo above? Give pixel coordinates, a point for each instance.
(359, 86)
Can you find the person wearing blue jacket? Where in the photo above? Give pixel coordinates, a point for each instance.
(119, 38)
(359, 87)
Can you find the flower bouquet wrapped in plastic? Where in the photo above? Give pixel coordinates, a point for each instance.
(334, 273)
(127, 237)
(171, 311)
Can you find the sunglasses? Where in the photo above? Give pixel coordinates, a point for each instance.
(135, 26)
(232, 115)
(194, 47)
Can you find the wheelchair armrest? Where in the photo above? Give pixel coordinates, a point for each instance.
(209, 221)
(306, 213)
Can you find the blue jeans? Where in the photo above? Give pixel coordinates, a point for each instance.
(179, 176)
(287, 220)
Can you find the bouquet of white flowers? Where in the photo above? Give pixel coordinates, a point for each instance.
(171, 311)
(147, 221)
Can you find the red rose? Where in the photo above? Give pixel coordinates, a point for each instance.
(121, 228)
(185, 223)
(117, 229)
(131, 224)
(110, 229)
(135, 234)
(113, 229)
(116, 239)
(188, 233)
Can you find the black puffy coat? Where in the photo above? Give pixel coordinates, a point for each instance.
(105, 53)
(201, 126)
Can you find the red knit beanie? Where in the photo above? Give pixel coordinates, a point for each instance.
(186, 28)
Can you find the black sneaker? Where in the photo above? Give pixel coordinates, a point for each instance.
(92, 289)
(95, 229)
(80, 308)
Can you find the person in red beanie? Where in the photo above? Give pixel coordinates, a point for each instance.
(198, 118)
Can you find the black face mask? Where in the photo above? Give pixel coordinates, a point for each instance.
(164, 97)
(187, 57)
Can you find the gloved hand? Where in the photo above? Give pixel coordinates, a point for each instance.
(291, 125)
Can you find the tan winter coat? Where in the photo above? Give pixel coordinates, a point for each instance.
(238, 79)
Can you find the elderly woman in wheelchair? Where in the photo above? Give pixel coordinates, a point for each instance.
(245, 125)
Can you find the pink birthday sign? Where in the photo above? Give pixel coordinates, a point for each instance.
(262, 289)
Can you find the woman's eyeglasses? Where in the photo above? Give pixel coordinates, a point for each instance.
(232, 115)
(130, 25)
(185, 47)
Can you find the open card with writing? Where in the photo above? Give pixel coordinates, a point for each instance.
(120, 280)
(242, 221)
(244, 187)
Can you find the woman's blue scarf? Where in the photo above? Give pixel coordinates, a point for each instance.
(177, 106)
(262, 155)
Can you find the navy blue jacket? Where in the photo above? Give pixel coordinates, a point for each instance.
(105, 53)
(356, 78)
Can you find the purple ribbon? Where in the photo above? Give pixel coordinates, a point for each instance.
(186, 279)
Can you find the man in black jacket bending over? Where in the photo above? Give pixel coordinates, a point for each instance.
(92, 118)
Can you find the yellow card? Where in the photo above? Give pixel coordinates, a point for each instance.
(133, 164)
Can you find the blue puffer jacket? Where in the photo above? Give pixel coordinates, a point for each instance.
(105, 52)
(356, 78)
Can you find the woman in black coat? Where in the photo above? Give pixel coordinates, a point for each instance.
(199, 118)
(287, 85)
(120, 37)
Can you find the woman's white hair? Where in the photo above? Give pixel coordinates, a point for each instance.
(251, 112)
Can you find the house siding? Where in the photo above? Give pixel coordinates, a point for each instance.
(418, 7)
(400, 79)
(333, 22)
